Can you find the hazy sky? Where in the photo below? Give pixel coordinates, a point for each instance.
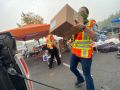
(10, 10)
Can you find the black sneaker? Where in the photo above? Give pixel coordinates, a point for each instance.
(59, 63)
(78, 83)
(50, 67)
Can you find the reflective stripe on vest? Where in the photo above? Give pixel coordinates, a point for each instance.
(82, 41)
(49, 42)
(82, 46)
(81, 49)
(90, 23)
(84, 53)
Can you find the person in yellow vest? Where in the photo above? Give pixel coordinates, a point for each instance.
(53, 50)
(82, 49)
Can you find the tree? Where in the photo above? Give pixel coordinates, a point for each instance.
(30, 18)
(107, 21)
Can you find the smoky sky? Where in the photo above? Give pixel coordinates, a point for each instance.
(10, 10)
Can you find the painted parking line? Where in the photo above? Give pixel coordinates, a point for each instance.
(67, 65)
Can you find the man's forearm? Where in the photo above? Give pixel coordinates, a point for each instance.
(94, 38)
(91, 33)
(79, 26)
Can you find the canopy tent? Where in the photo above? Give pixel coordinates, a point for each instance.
(115, 20)
(28, 32)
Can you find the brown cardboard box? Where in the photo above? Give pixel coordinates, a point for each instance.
(61, 24)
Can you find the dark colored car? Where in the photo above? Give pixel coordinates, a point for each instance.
(13, 69)
(108, 47)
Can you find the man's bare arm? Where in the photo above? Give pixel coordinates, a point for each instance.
(79, 25)
(91, 33)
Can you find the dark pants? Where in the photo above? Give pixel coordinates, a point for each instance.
(86, 67)
(54, 53)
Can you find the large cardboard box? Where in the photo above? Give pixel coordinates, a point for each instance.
(61, 24)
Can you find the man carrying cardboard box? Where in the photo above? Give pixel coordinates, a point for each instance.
(82, 49)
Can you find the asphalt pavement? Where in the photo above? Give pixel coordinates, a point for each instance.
(105, 71)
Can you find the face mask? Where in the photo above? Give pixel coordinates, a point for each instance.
(84, 17)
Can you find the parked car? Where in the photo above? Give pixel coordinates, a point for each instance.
(107, 47)
(114, 40)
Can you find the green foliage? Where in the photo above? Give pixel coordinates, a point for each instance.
(107, 22)
(30, 18)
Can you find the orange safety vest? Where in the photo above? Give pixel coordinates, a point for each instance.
(82, 46)
(49, 41)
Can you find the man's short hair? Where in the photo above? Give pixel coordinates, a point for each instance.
(86, 9)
